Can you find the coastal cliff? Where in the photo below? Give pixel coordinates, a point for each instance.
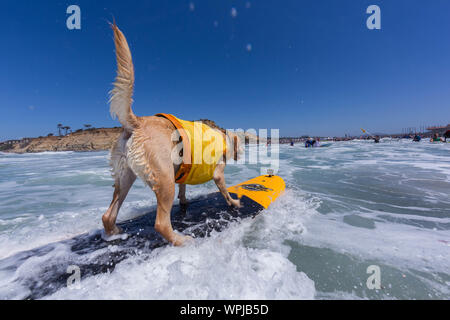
(85, 140)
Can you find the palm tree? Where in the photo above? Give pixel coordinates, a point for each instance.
(87, 126)
(66, 128)
(60, 126)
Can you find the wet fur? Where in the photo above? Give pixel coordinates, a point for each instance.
(144, 150)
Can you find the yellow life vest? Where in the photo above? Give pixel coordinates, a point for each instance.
(203, 147)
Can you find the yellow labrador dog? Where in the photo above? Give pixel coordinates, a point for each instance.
(145, 149)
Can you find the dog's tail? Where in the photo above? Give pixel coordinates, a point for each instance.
(121, 97)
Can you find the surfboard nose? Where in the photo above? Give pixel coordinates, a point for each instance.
(264, 190)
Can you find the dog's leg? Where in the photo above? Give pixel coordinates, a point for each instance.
(182, 194)
(165, 193)
(121, 187)
(219, 179)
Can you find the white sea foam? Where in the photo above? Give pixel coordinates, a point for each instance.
(397, 244)
(219, 267)
(393, 188)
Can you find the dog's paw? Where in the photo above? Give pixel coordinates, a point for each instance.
(184, 202)
(119, 236)
(181, 240)
(236, 203)
(184, 206)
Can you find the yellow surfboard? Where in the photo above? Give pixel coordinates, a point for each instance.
(263, 189)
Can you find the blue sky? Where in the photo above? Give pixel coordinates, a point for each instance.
(313, 68)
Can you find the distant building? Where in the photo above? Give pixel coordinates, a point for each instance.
(440, 130)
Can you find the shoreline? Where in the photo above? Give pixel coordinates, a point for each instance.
(102, 139)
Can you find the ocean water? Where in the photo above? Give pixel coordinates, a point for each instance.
(346, 207)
